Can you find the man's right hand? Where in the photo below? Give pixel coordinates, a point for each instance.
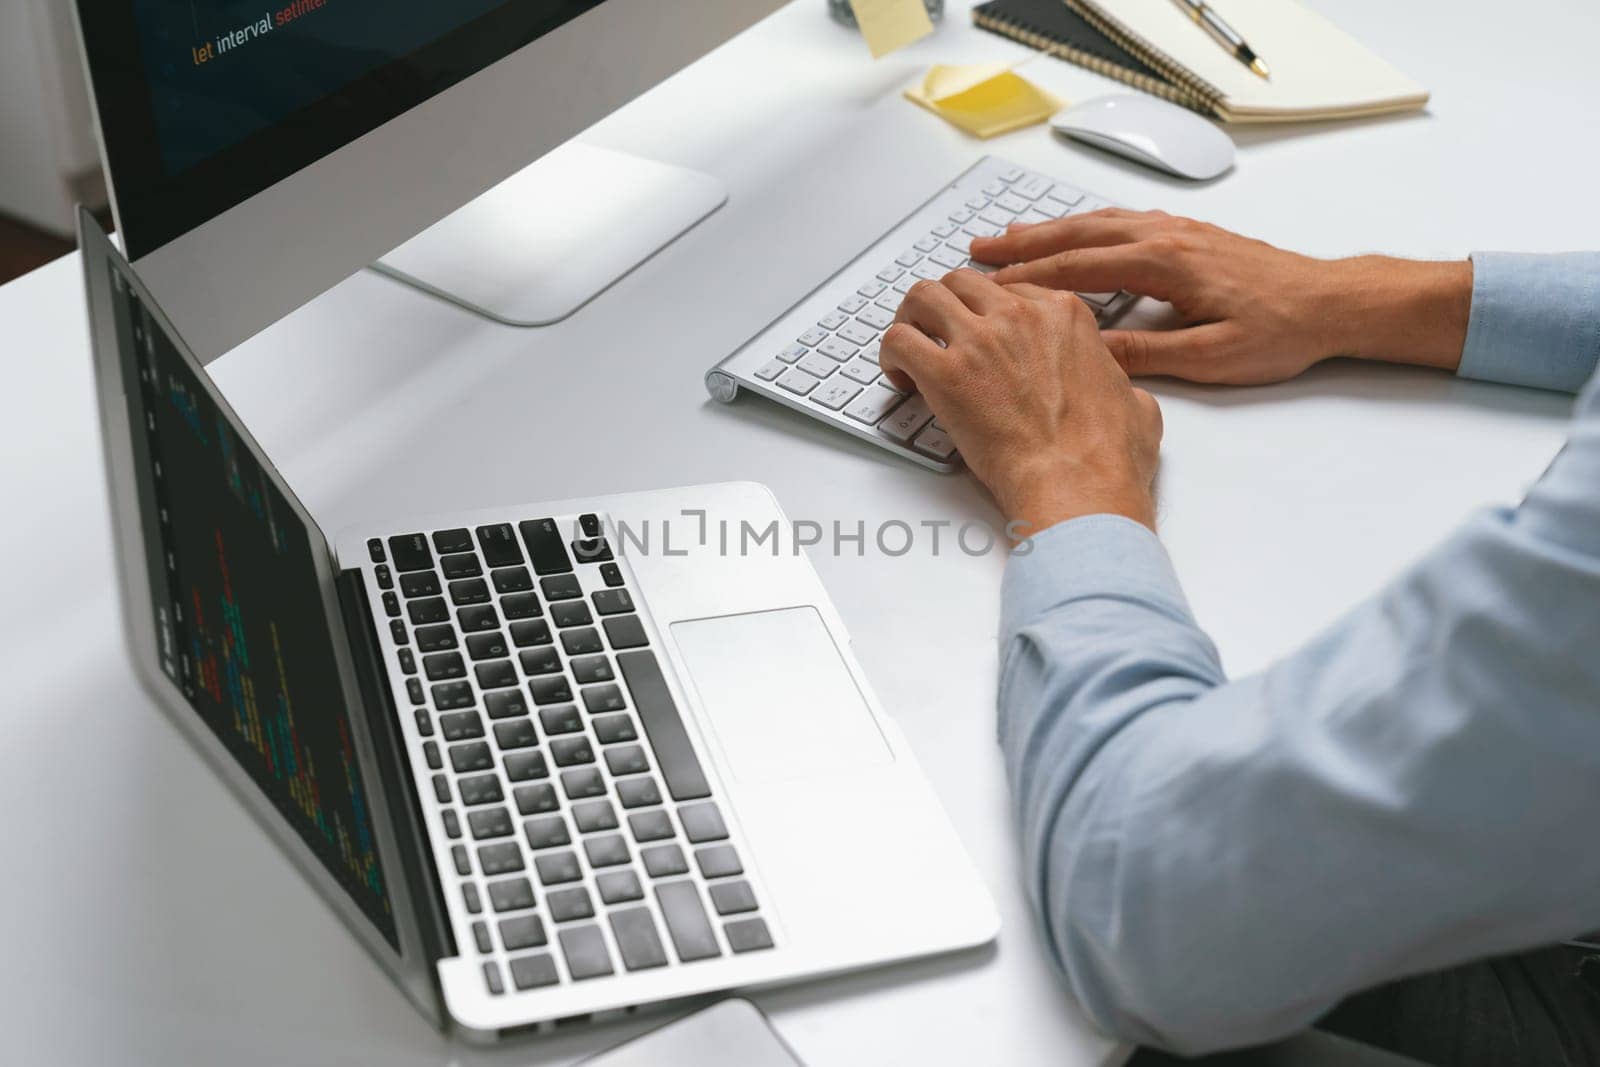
(1253, 313)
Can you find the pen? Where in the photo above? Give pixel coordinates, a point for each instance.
(1226, 36)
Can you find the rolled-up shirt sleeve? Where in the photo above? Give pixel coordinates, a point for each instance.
(1535, 319)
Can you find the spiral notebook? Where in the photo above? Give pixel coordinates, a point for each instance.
(1318, 71)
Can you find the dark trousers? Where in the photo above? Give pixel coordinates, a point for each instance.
(1535, 1009)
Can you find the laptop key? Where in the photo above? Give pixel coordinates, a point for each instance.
(638, 792)
(731, 898)
(487, 646)
(703, 822)
(607, 851)
(571, 751)
(448, 696)
(582, 783)
(452, 823)
(611, 574)
(391, 604)
(530, 632)
(637, 939)
(419, 584)
(428, 610)
(408, 660)
(446, 542)
(525, 931)
(460, 725)
(720, 861)
(469, 896)
(500, 859)
(662, 861)
(550, 690)
(430, 749)
(513, 894)
(582, 642)
(469, 591)
(592, 550)
(546, 549)
(490, 823)
(444, 665)
(480, 936)
(589, 523)
(409, 552)
(668, 737)
(555, 868)
(535, 799)
(687, 924)
(474, 756)
(625, 631)
(526, 766)
(499, 674)
(540, 661)
(463, 862)
(505, 703)
(594, 815)
(612, 601)
(441, 789)
(375, 550)
(650, 826)
(619, 887)
(414, 691)
(588, 669)
(521, 606)
(611, 729)
(491, 977)
(462, 566)
(511, 579)
(532, 972)
(603, 698)
(626, 759)
(548, 832)
(585, 950)
(424, 724)
(570, 613)
(569, 904)
(499, 544)
(434, 638)
(480, 788)
(397, 631)
(516, 734)
(477, 619)
(563, 719)
(561, 587)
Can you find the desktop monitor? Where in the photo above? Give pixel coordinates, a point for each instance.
(257, 154)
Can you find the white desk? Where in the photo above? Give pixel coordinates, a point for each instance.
(146, 920)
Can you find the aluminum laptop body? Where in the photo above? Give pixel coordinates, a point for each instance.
(550, 761)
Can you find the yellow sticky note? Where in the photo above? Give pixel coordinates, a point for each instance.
(985, 99)
(889, 25)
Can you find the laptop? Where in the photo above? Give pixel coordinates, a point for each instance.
(546, 762)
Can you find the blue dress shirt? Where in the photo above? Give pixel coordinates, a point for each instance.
(1218, 862)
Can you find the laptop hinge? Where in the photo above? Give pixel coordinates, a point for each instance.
(394, 767)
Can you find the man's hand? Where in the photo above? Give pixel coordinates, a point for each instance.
(1039, 409)
(1254, 313)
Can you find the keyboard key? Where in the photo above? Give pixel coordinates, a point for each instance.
(568, 904)
(547, 551)
(603, 698)
(444, 665)
(446, 542)
(770, 370)
(375, 550)
(491, 977)
(662, 861)
(949, 259)
(391, 605)
(553, 690)
(499, 544)
(408, 661)
(748, 935)
(563, 719)
(537, 662)
(857, 333)
(463, 862)
(687, 924)
(860, 370)
(469, 591)
(889, 274)
(487, 646)
(664, 726)
(834, 349)
(926, 245)
(533, 972)
(499, 674)
(521, 606)
(452, 823)
(797, 381)
(907, 419)
(1032, 187)
(637, 940)
(490, 823)
(876, 317)
(571, 613)
(1067, 195)
(555, 868)
(607, 851)
(625, 760)
(944, 229)
(625, 631)
(414, 691)
(500, 859)
(611, 729)
(473, 756)
(589, 524)
(731, 898)
(478, 619)
(561, 587)
(434, 638)
(479, 789)
(1012, 203)
(511, 579)
(703, 822)
(585, 641)
(430, 749)
(409, 552)
(546, 833)
(513, 894)
(812, 337)
(611, 574)
(834, 319)
(585, 951)
(872, 405)
(792, 353)
(870, 290)
(463, 566)
(448, 696)
(591, 550)
(590, 669)
(994, 188)
(584, 782)
(835, 395)
(397, 631)
(997, 216)
(638, 792)
(535, 799)
(718, 861)
(530, 632)
(618, 887)
(516, 734)
(421, 583)
(650, 826)
(817, 365)
(460, 726)
(936, 443)
(503, 704)
(594, 815)
(526, 766)
(424, 724)
(480, 935)
(571, 751)
(429, 610)
(524, 931)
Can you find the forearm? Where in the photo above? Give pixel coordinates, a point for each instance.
(1398, 310)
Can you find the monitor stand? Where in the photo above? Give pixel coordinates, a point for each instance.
(555, 235)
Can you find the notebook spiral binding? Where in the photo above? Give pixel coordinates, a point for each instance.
(1208, 95)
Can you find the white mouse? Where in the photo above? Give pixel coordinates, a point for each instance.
(1160, 135)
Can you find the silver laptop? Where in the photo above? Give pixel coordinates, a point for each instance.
(550, 761)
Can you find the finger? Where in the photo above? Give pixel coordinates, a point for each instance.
(975, 290)
(1097, 229)
(1136, 268)
(1037, 293)
(1197, 353)
(909, 357)
(934, 310)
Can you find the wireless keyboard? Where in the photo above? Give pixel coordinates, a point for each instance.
(821, 356)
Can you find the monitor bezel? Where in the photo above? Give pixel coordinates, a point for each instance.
(408, 961)
(154, 209)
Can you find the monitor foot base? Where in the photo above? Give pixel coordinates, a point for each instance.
(555, 235)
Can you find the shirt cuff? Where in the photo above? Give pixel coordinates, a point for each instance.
(1535, 319)
(1097, 556)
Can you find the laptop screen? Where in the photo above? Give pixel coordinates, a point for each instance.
(240, 619)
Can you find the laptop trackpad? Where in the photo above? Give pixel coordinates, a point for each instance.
(778, 695)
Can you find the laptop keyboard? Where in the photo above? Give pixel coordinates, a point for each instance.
(827, 365)
(586, 840)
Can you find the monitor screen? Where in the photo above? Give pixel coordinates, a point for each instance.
(240, 619)
(204, 103)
